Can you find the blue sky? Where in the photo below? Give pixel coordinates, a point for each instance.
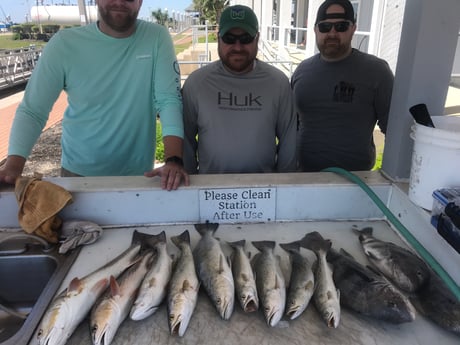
(17, 9)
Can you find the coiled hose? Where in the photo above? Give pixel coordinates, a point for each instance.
(401, 228)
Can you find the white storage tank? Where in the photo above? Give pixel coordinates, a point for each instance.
(62, 14)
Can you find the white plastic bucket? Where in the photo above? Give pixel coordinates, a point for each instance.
(435, 159)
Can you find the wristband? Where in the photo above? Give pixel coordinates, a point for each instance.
(175, 159)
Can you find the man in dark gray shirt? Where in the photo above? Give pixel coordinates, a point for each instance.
(340, 95)
(238, 111)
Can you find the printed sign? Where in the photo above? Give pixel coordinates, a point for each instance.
(237, 205)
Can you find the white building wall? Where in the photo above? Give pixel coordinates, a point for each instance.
(391, 32)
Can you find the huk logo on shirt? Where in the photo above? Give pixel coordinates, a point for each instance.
(230, 100)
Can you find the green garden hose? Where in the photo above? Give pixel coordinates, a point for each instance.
(401, 228)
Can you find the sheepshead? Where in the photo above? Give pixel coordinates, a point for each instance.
(326, 296)
(271, 286)
(302, 282)
(112, 309)
(70, 307)
(402, 267)
(367, 292)
(243, 275)
(437, 303)
(154, 286)
(214, 270)
(183, 287)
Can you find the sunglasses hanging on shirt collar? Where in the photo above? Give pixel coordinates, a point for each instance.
(324, 27)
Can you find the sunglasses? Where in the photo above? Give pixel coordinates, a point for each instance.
(338, 26)
(229, 38)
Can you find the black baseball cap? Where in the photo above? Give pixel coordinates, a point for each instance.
(349, 13)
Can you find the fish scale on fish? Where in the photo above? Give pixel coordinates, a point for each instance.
(70, 307)
(112, 309)
(402, 267)
(271, 286)
(326, 295)
(214, 271)
(367, 292)
(302, 281)
(243, 275)
(183, 287)
(154, 286)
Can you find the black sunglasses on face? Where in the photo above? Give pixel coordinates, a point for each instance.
(243, 39)
(338, 26)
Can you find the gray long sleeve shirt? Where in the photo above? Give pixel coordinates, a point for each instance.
(238, 123)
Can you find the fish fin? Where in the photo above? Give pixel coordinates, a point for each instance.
(101, 285)
(203, 228)
(291, 247)
(309, 286)
(183, 237)
(315, 242)
(236, 244)
(338, 295)
(74, 285)
(114, 287)
(153, 282)
(260, 245)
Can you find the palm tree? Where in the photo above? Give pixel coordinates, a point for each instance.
(210, 9)
(161, 17)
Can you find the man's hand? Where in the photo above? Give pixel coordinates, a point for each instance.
(172, 174)
(12, 169)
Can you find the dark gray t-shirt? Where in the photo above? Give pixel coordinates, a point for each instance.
(339, 104)
(238, 123)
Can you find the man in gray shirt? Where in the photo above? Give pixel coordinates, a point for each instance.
(238, 111)
(340, 95)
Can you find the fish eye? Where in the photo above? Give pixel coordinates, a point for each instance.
(243, 296)
(219, 301)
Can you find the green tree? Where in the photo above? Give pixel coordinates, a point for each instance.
(210, 9)
(160, 16)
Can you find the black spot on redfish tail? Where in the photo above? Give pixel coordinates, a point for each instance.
(315, 242)
(204, 228)
(183, 237)
(261, 245)
(292, 247)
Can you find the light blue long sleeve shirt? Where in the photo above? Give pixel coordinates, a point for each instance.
(115, 89)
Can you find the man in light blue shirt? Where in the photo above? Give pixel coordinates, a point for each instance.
(119, 74)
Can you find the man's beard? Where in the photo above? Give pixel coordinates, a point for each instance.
(333, 51)
(116, 21)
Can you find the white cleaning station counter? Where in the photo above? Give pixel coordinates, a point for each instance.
(253, 207)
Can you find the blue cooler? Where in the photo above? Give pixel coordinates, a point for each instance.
(445, 215)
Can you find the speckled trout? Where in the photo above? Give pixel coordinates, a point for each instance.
(245, 283)
(112, 309)
(302, 282)
(271, 286)
(70, 307)
(326, 296)
(214, 270)
(154, 286)
(183, 287)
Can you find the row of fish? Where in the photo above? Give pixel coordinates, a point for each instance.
(138, 281)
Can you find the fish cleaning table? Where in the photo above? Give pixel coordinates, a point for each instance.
(254, 207)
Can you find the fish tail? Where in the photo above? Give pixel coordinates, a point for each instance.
(183, 237)
(292, 247)
(363, 233)
(156, 239)
(260, 245)
(315, 242)
(147, 241)
(203, 228)
(237, 244)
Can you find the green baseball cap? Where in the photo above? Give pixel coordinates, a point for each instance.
(238, 16)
